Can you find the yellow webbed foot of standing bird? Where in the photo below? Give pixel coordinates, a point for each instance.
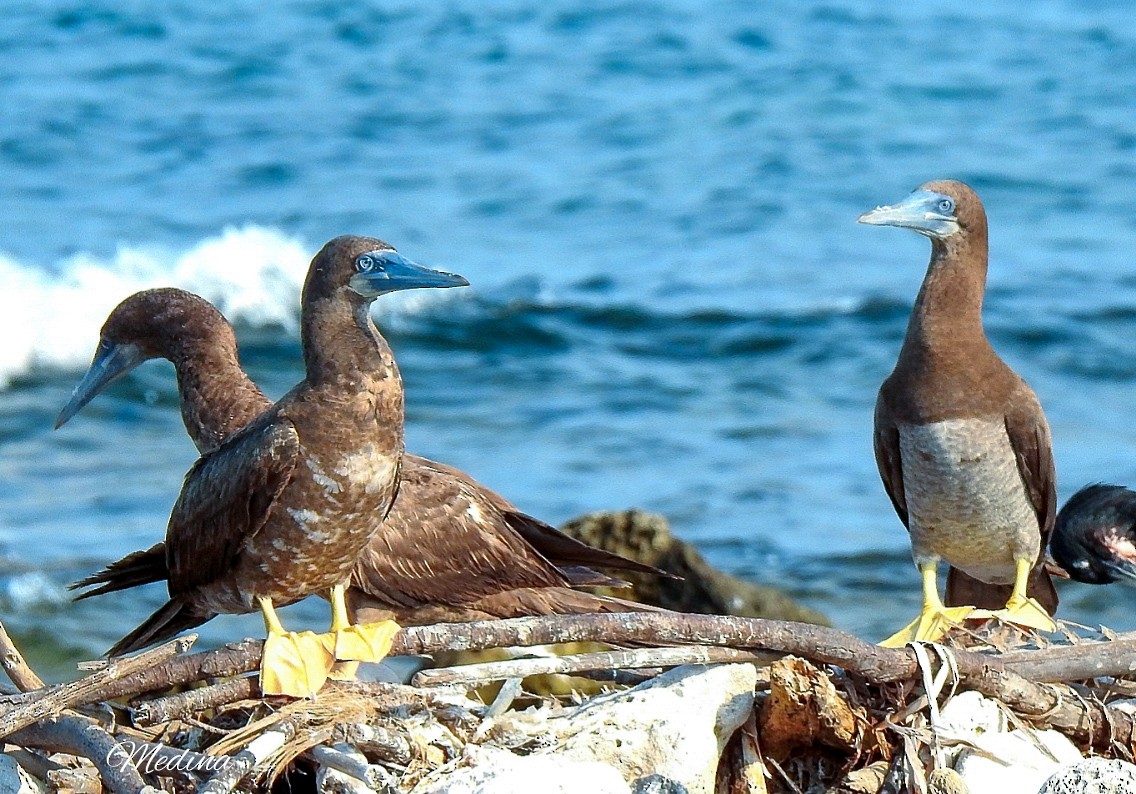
(1025, 612)
(933, 622)
(295, 664)
(367, 643)
(1021, 610)
(344, 671)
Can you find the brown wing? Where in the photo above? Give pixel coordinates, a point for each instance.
(1033, 448)
(225, 499)
(445, 542)
(570, 555)
(885, 440)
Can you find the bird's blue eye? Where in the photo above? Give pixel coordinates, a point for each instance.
(946, 205)
(365, 263)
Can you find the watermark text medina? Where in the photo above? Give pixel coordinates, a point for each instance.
(151, 758)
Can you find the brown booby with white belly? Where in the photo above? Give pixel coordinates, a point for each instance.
(961, 441)
(450, 549)
(283, 507)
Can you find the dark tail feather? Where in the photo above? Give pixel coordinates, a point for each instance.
(579, 576)
(564, 551)
(963, 590)
(171, 619)
(139, 568)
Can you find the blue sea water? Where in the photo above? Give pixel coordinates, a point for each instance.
(672, 306)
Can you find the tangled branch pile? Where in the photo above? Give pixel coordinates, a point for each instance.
(821, 711)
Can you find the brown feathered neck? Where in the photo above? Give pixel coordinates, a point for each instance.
(340, 341)
(216, 396)
(947, 315)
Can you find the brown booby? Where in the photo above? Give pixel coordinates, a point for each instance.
(961, 442)
(449, 550)
(283, 507)
(1094, 539)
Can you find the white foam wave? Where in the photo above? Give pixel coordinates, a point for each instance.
(51, 317)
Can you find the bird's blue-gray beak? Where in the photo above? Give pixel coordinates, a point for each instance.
(929, 213)
(111, 362)
(380, 272)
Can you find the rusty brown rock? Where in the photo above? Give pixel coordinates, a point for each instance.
(803, 710)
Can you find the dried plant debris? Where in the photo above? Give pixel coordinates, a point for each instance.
(730, 706)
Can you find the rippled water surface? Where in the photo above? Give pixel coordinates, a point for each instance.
(655, 201)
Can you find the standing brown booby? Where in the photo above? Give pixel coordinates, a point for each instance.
(961, 441)
(450, 549)
(284, 506)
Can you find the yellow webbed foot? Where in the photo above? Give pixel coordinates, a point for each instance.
(295, 664)
(367, 643)
(344, 671)
(931, 625)
(1026, 612)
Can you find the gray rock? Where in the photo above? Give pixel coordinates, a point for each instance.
(14, 780)
(1093, 776)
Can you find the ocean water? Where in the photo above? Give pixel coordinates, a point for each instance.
(672, 305)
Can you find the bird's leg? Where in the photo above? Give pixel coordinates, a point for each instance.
(934, 619)
(367, 643)
(1021, 610)
(292, 664)
(343, 671)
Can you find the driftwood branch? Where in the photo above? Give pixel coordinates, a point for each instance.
(995, 676)
(377, 741)
(818, 643)
(17, 669)
(371, 776)
(638, 659)
(77, 736)
(234, 659)
(164, 709)
(1115, 658)
(18, 711)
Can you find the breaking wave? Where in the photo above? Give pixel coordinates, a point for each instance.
(50, 315)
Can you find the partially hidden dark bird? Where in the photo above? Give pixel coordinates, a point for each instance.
(284, 506)
(1094, 539)
(450, 549)
(961, 441)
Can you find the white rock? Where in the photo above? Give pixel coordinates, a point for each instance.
(1093, 776)
(972, 714)
(491, 770)
(666, 734)
(1021, 766)
(14, 780)
(1006, 761)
